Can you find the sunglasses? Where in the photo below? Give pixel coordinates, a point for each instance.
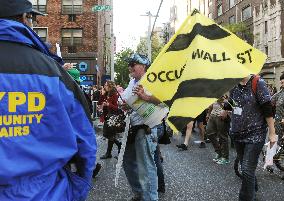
(132, 64)
(29, 16)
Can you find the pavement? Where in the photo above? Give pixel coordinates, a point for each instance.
(189, 175)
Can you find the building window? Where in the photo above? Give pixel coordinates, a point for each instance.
(72, 18)
(72, 6)
(39, 5)
(246, 13)
(72, 37)
(232, 19)
(257, 9)
(219, 10)
(72, 49)
(265, 27)
(41, 32)
(232, 3)
(266, 50)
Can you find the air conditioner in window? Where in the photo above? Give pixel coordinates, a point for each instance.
(72, 49)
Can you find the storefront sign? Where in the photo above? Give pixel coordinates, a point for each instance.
(83, 66)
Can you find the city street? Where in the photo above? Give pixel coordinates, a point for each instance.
(69, 65)
(189, 175)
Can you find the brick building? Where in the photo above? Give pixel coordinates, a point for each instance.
(234, 11)
(73, 25)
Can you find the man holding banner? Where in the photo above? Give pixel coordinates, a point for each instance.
(139, 164)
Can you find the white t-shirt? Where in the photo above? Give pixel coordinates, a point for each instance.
(135, 118)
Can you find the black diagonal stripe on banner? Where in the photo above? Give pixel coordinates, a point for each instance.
(211, 32)
(203, 87)
(180, 122)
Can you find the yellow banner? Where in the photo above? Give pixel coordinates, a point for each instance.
(200, 63)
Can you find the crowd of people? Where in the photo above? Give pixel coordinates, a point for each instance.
(61, 135)
(244, 115)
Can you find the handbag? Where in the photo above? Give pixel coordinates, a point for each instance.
(116, 121)
(165, 138)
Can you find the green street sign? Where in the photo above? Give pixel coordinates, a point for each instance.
(101, 8)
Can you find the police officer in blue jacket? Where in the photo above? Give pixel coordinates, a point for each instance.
(44, 117)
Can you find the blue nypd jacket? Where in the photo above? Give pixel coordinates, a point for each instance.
(44, 123)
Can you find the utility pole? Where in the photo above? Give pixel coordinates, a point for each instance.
(149, 14)
(150, 31)
(149, 37)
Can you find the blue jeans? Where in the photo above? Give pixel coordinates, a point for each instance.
(139, 166)
(248, 155)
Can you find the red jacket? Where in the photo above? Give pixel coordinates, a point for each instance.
(112, 104)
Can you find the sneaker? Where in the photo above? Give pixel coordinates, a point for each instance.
(202, 145)
(182, 146)
(96, 170)
(217, 157)
(207, 140)
(223, 161)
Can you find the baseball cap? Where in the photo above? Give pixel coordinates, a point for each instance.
(75, 74)
(10, 8)
(138, 58)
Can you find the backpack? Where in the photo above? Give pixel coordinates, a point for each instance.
(254, 82)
